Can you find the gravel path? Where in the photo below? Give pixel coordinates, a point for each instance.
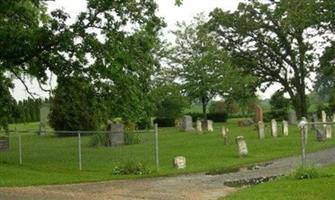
(194, 186)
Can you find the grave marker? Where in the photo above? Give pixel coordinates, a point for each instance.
(274, 128)
(261, 134)
(242, 146)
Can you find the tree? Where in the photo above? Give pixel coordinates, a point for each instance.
(279, 105)
(275, 41)
(203, 68)
(75, 106)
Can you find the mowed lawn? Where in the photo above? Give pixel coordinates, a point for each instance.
(54, 160)
(289, 188)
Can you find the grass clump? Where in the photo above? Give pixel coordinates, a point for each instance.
(131, 168)
(302, 173)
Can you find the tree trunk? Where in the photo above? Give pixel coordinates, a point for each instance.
(204, 111)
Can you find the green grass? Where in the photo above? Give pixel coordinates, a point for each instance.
(54, 160)
(291, 189)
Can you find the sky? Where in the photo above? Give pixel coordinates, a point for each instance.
(167, 9)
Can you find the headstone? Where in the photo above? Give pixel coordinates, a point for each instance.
(320, 135)
(210, 126)
(187, 124)
(242, 146)
(179, 162)
(261, 134)
(259, 114)
(44, 118)
(292, 117)
(328, 131)
(223, 131)
(199, 126)
(274, 128)
(178, 123)
(333, 119)
(4, 143)
(314, 119)
(285, 128)
(116, 134)
(323, 116)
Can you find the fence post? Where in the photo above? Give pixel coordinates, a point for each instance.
(20, 149)
(156, 147)
(303, 130)
(79, 150)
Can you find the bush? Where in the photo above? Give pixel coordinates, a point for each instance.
(306, 173)
(216, 117)
(165, 122)
(131, 167)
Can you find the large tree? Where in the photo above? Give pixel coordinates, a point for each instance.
(277, 41)
(201, 66)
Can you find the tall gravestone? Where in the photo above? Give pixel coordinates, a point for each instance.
(292, 117)
(285, 128)
(199, 126)
(44, 118)
(187, 124)
(210, 126)
(116, 134)
(261, 126)
(274, 128)
(259, 113)
(323, 116)
(328, 131)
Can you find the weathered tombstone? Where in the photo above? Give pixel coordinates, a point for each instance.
(261, 134)
(333, 118)
(210, 126)
(224, 132)
(259, 113)
(285, 128)
(44, 118)
(320, 135)
(323, 116)
(328, 131)
(314, 119)
(199, 126)
(242, 146)
(274, 128)
(116, 134)
(178, 123)
(292, 117)
(4, 143)
(179, 162)
(187, 124)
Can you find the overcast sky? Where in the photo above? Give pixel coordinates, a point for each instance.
(171, 13)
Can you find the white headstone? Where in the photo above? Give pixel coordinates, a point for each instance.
(210, 125)
(187, 124)
(261, 134)
(328, 131)
(242, 146)
(274, 128)
(179, 162)
(285, 128)
(223, 131)
(199, 126)
(323, 116)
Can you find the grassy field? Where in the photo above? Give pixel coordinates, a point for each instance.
(289, 188)
(54, 160)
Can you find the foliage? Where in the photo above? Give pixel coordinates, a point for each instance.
(305, 173)
(227, 106)
(216, 117)
(165, 122)
(7, 103)
(133, 138)
(332, 101)
(203, 68)
(169, 101)
(275, 41)
(279, 106)
(135, 168)
(75, 106)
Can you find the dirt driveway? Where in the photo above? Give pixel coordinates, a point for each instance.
(194, 186)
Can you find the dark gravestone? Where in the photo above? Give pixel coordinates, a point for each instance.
(320, 135)
(116, 134)
(4, 144)
(292, 117)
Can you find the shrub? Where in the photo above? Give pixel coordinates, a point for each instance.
(165, 122)
(306, 173)
(130, 167)
(216, 117)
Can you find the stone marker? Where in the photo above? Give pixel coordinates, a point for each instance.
(178, 123)
(4, 143)
(259, 113)
(187, 124)
(285, 128)
(292, 117)
(333, 119)
(199, 126)
(328, 131)
(210, 126)
(224, 132)
(323, 116)
(44, 118)
(320, 135)
(116, 134)
(179, 162)
(261, 134)
(274, 128)
(242, 146)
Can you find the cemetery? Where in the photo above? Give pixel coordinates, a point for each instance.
(167, 99)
